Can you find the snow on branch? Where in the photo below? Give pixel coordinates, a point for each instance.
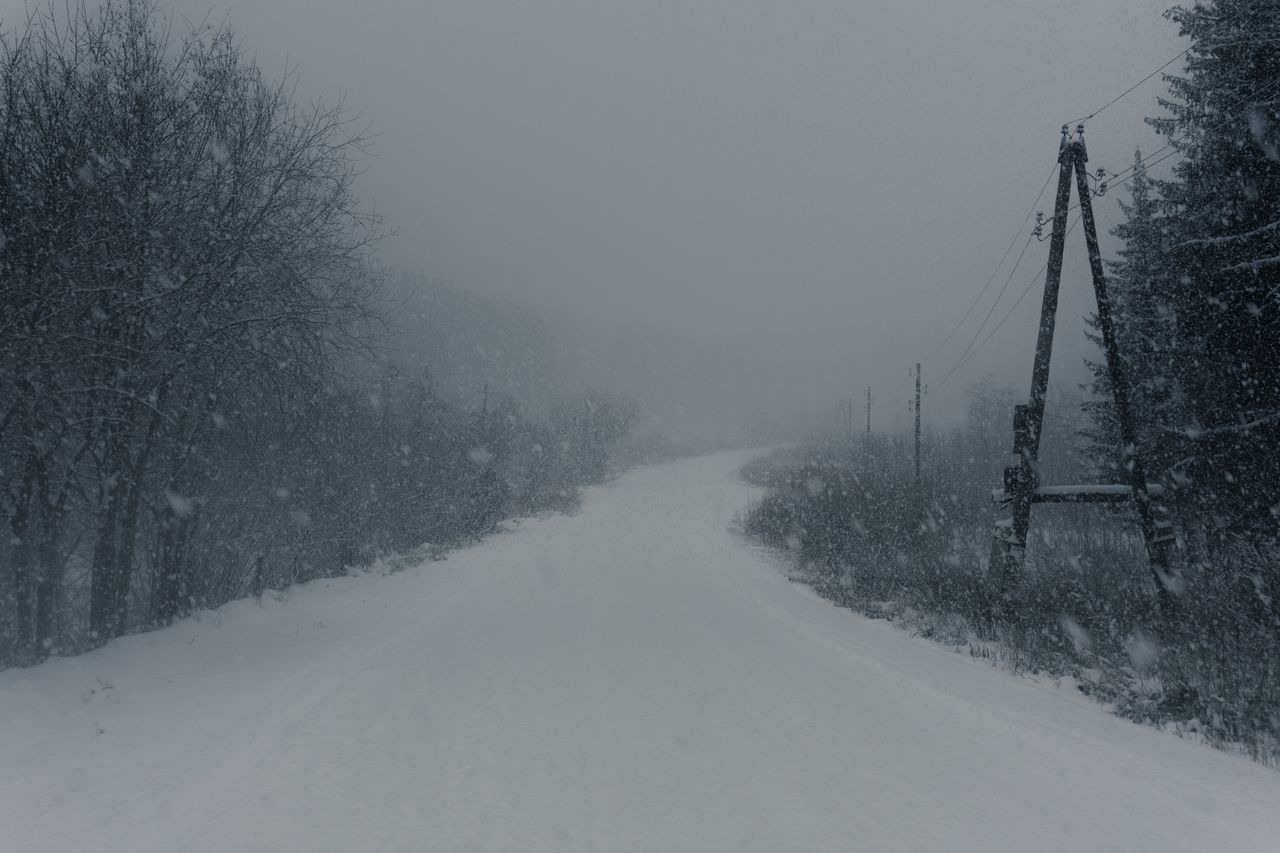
(1196, 433)
(1252, 265)
(1230, 238)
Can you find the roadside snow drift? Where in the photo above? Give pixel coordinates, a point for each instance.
(633, 678)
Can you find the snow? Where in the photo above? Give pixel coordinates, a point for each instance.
(632, 678)
(1109, 489)
(1080, 490)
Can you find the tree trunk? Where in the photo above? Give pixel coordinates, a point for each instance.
(171, 598)
(105, 569)
(48, 579)
(20, 524)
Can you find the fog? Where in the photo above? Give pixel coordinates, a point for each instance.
(812, 192)
(465, 399)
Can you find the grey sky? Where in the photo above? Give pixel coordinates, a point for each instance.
(833, 180)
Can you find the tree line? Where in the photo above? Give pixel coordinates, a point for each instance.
(195, 402)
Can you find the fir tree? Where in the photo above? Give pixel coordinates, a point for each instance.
(1144, 332)
(1221, 269)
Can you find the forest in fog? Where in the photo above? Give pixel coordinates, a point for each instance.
(205, 389)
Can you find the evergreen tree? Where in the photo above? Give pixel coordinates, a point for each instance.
(1144, 333)
(1221, 270)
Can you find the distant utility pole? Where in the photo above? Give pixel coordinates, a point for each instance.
(917, 426)
(868, 410)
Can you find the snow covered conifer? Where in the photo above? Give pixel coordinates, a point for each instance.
(1221, 265)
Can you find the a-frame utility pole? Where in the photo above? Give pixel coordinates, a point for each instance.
(1021, 485)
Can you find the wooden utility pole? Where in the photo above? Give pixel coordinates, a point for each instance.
(1157, 536)
(1028, 419)
(1021, 481)
(917, 427)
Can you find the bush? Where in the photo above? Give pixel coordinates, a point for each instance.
(859, 535)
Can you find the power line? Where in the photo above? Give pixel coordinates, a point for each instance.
(1257, 91)
(1100, 109)
(1005, 318)
(1119, 179)
(999, 296)
(1115, 180)
(977, 299)
(901, 406)
(971, 350)
(1146, 164)
(965, 359)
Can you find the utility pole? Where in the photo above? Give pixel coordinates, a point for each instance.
(868, 410)
(1021, 480)
(917, 427)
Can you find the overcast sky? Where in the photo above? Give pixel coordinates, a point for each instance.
(833, 180)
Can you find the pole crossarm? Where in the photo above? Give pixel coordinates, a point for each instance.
(1082, 493)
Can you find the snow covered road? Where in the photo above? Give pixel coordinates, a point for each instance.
(633, 678)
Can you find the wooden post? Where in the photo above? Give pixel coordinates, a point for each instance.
(1049, 308)
(1019, 484)
(1156, 540)
(917, 430)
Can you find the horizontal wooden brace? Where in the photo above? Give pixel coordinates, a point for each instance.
(1096, 493)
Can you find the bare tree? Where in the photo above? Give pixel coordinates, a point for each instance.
(179, 236)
